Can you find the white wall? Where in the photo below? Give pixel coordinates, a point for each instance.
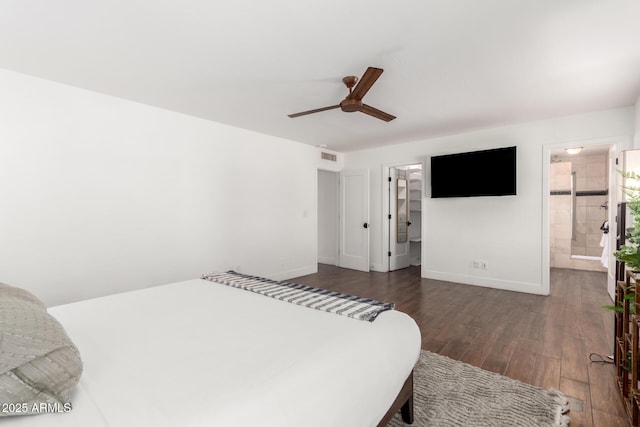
(327, 217)
(636, 143)
(506, 232)
(100, 195)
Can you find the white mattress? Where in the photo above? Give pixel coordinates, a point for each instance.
(197, 353)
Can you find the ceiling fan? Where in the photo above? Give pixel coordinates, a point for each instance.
(353, 101)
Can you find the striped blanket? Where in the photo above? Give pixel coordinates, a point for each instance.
(308, 296)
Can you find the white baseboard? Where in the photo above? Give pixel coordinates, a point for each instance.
(379, 267)
(328, 260)
(289, 274)
(487, 282)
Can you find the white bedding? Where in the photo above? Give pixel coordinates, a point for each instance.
(197, 353)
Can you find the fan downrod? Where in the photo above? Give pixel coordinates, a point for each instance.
(349, 105)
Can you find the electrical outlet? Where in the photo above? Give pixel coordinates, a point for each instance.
(479, 264)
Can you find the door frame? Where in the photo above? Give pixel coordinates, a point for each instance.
(385, 242)
(620, 143)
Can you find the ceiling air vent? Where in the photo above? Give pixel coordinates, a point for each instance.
(328, 156)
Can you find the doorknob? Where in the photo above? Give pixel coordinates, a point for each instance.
(365, 225)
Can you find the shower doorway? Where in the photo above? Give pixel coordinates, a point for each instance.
(579, 205)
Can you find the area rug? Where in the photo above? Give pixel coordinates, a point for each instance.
(451, 393)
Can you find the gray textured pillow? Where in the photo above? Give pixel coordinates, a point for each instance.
(39, 365)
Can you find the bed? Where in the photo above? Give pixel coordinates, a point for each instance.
(200, 353)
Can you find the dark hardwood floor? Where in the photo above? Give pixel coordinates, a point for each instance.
(542, 340)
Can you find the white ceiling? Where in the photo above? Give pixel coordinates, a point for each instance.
(450, 66)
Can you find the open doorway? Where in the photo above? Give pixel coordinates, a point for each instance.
(405, 216)
(328, 217)
(582, 207)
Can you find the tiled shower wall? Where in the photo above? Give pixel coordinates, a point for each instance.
(591, 186)
(560, 215)
(591, 178)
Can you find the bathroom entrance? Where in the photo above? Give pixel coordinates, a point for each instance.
(579, 208)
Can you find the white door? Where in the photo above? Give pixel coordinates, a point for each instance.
(398, 209)
(354, 219)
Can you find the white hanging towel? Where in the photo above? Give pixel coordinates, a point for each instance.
(604, 244)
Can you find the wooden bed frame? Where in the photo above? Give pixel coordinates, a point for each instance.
(403, 403)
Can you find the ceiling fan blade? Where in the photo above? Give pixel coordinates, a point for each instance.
(366, 81)
(374, 112)
(317, 110)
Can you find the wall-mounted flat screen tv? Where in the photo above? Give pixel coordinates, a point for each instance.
(474, 174)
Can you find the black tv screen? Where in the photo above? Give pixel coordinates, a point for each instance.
(474, 174)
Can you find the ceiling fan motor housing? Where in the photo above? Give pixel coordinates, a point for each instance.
(351, 105)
